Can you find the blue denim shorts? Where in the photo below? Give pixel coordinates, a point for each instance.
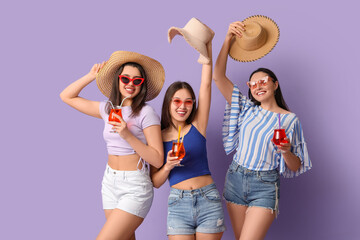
(198, 210)
(252, 188)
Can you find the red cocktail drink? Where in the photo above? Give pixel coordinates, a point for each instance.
(112, 118)
(279, 136)
(178, 150)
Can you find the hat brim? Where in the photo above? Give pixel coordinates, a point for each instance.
(273, 34)
(191, 40)
(155, 73)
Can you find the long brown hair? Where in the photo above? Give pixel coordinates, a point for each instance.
(278, 95)
(165, 112)
(115, 95)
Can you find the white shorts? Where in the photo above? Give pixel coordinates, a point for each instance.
(130, 191)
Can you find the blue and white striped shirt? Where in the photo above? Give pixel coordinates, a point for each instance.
(248, 128)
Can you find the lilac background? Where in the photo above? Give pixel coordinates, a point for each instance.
(53, 157)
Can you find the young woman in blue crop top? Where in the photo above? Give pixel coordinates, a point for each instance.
(194, 205)
(252, 181)
(132, 143)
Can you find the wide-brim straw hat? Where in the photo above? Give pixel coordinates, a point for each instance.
(259, 38)
(197, 34)
(155, 73)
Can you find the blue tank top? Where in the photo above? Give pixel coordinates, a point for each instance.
(195, 161)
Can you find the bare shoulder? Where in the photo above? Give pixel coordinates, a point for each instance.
(166, 135)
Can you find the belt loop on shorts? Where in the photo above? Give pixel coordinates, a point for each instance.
(237, 167)
(202, 192)
(181, 193)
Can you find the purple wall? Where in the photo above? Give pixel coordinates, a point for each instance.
(52, 157)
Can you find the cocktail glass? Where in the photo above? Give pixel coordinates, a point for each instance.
(178, 150)
(117, 110)
(279, 136)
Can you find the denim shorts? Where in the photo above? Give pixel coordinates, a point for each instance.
(198, 210)
(130, 191)
(252, 188)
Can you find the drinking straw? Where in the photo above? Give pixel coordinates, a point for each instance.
(124, 100)
(179, 135)
(279, 120)
(182, 141)
(111, 104)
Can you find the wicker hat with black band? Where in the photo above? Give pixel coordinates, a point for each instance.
(259, 38)
(155, 73)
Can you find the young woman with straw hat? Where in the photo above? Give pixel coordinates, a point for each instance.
(133, 139)
(252, 181)
(194, 205)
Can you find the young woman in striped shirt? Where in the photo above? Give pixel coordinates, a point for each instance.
(252, 181)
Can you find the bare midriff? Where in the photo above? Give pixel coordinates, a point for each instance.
(194, 183)
(124, 163)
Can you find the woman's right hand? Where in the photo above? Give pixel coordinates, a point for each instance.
(95, 69)
(70, 95)
(235, 29)
(171, 161)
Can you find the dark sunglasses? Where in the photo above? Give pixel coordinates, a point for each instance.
(126, 80)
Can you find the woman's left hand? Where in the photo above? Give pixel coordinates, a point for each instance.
(285, 147)
(120, 127)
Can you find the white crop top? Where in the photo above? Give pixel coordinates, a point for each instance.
(117, 145)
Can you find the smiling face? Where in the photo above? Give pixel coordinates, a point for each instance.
(181, 105)
(263, 92)
(130, 88)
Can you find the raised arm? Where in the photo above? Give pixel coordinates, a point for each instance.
(222, 82)
(70, 95)
(202, 115)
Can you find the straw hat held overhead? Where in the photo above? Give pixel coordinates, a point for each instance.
(259, 38)
(197, 34)
(155, 73)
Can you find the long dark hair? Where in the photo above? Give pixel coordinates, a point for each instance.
(278, 95)
(165, 112)
(115, 96)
